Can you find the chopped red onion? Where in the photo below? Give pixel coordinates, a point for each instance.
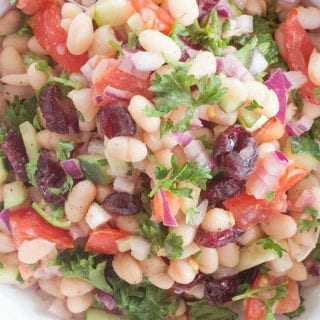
(76, 232)
(244, 24)
(4, 221)
(296, 78)
(223, 8)
(232, 67)
(107, 300)
(126, 65)
(258, 62)
(72, 168)
(183, 138)
(59, 309)
(281, 156)
(278, 82)
(46, 273)
(96, 146)
(5, 6)
(88, 67)
(202, 208)
(290, 130)
(168, 218)
(304, 123)
(124, 184)
(117, 94)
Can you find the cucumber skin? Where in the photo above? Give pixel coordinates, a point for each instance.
(14, 194)
(97, 314)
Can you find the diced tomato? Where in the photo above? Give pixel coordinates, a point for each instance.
(31, 6)
(255, 309)
(106, 73)
(153, 16)
(249, 211)
(104, 240)
(298, 49)
(45, 24)
(27, 224)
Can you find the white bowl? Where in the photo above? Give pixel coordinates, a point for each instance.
(18, 304)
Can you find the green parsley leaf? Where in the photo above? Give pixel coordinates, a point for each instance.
(19, 278)
(66, 187)
(57, 211)
(280, 292)
(315, 253)
(117, 46)
(174, 90)
(152, 231)
(20, 111)
(270, 196)
(12, 2)
(50, 218)
(194, 172)
(133, 40)
(64, 149)
(173, 245)
(24, 28)
(207, 34)
(254, 106)
(264, 269)
(1, 265)
(307, 224)
(43, 65)
(200, 310)
(3, 132)
(28, 59)
(80, 116)
(316, 91)
(268, 243)
(84, 265)
(31, 168)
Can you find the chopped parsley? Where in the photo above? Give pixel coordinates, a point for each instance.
(159, 236)
(66, 187)
(304, 144)
(19, 111)
(64, 149)
(31, 168)
(175, 89)
(194, 172)
(297, 98)
(316, 91)
(117, 46)
(307, 224)
(270, 196)
(280, 292)
(268, 243)
(190, 214)
(200, 310)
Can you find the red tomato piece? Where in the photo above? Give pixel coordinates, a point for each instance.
(153, 16)
(298, 49)
(103, 240)
(27, 224)
(255, 309)
(52, 37)
(249, 211)
(107, 73)
(31, 6)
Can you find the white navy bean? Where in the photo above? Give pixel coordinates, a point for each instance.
(80, 35)
(155, 41)
(185, 11)
(137, 108)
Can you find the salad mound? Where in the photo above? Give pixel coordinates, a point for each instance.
(159, 159)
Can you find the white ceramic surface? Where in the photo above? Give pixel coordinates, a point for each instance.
(26, 305)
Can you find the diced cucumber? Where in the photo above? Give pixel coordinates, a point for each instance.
(248, 118)
(94, 167)
(112, 12)
(3, 170)
(14, 194)
(235, 10)
(28, 133)
(254, 254)
(303, 151)
(97, 314)
(9, 274)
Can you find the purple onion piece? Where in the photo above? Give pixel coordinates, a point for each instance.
(4, 217)
(107, 300)
(72, 168)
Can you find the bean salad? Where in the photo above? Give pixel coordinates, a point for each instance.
(160, 159)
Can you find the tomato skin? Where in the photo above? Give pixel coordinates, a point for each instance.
(30, 6)
(255, 309)
(107, 73)
(103, 240)
(298, 49)
(153, 16)
(27, 224)
(45, 25)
